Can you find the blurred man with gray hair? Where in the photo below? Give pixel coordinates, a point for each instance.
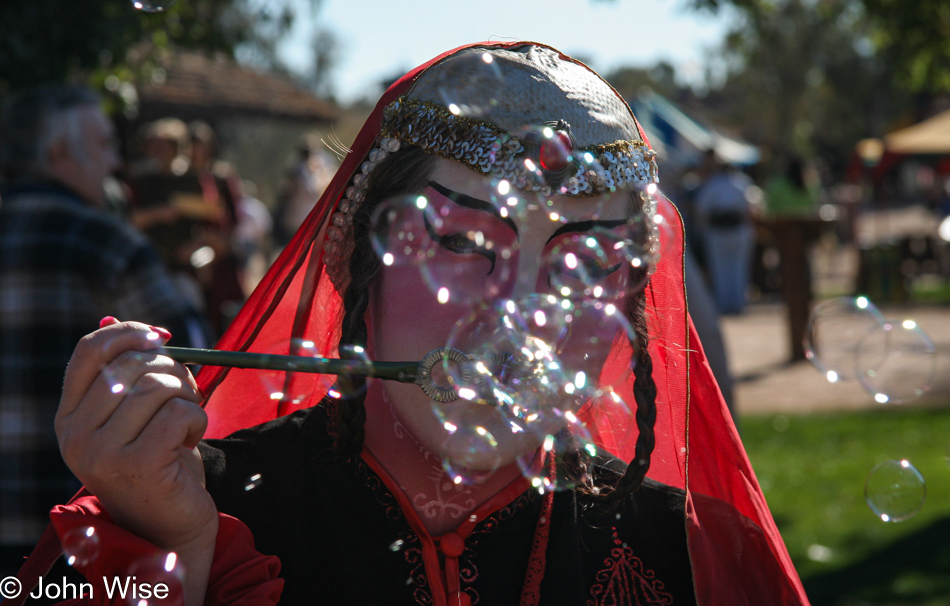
(65, 263)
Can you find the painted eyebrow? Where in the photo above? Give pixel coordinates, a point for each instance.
(473, 203)
(582, 226)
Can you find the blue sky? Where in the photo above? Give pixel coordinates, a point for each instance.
(382, 38)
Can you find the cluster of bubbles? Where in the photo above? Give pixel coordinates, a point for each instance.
(848, 338)
(533, 350)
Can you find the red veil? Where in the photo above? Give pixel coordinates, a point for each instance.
(737, 553)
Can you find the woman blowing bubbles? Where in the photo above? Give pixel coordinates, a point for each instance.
(497, 219)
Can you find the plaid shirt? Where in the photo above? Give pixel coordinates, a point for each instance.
(63, 266)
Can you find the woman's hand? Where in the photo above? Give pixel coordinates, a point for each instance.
(128, 424)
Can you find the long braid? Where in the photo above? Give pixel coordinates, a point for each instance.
(644, 391)
(405, 171)
(350, 409)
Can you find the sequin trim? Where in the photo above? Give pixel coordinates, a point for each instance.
(486, 148)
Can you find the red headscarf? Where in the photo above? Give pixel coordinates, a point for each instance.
(737, 553)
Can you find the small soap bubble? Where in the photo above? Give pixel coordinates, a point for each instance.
(81, 546)
(398, 230)
(289, 389)
(154, 569)
(780, 423)
(834, 334)
(153, 6)
(595, 328)
(896, 362)
(469, 86)
(663, 235)
(895, 490)
(546, 317)
(473, 450)
(563, 447)
(252, 482)
(358, 356)
(820, 553)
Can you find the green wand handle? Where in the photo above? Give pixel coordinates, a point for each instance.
(404, 372)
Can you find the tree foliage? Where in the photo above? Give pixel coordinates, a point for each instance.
(915, 33)
(629, 81)
(803, 81)
(52, 40)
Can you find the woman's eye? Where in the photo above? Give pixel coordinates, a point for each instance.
(596, 270)
(459, 243)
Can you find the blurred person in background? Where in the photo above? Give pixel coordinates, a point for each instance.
(65, 262)
(251, 238)
(188, 213)
(219, 182)
(309, 176)
(723, 217)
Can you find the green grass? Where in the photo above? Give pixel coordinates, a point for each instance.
(930, 291)
(812, 469)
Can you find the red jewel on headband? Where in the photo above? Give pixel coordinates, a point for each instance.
(556, 151)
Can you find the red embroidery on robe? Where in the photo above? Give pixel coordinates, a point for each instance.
(407, 542)
(625, 582)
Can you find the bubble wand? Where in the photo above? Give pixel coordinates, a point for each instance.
(419, 373)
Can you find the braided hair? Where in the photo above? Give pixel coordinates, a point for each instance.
(644, 391)
(405, 171)
(408, 170)
(574, 463)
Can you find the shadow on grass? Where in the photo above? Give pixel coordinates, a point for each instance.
(911, 571)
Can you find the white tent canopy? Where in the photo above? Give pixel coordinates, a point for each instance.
(932, 136)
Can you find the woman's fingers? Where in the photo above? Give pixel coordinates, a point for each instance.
(178, 422)
(143, 401)
(116, 384)
(96, 351)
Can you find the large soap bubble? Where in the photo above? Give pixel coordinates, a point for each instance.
(896, 362)
(895, 490)
(834, 333)
(397, 230)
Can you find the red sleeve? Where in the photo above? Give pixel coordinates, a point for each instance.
(106, 555)
(239, 574)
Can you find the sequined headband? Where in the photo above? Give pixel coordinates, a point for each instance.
(544, 161)
(490, 150)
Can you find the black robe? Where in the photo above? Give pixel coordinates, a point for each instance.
(343, 539)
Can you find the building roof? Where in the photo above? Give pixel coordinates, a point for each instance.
(196, 86)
